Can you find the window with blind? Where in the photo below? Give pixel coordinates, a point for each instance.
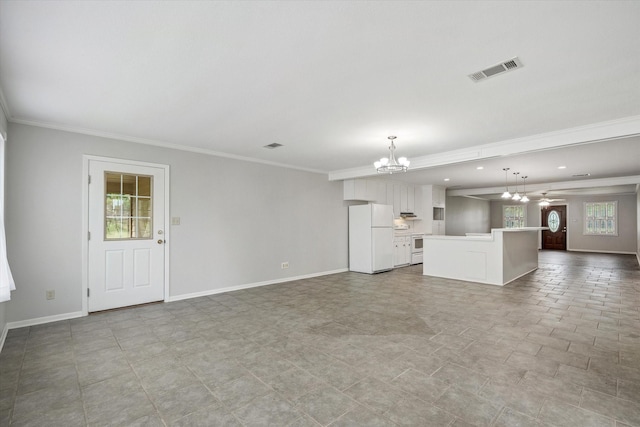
(601, 218)
(514, 216)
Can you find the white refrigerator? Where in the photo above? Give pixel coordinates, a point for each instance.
(370, 238)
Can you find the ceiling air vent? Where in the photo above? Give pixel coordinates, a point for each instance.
(272, 146)
(511, 64)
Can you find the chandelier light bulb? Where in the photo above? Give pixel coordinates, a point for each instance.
(524, 199)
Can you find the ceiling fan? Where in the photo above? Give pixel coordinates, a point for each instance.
(545, 201)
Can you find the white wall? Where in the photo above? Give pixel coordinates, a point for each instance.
(3, 305)
(638, 222)
(466, 215)
(239, 220)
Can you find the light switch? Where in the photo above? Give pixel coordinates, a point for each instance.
(175, 220)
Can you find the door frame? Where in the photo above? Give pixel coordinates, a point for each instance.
(86, 159)
(566, 237)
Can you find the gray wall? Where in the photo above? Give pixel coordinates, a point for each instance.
(533, 213)
(239, 220)
(626, 241)
(638, 222)
(466, 215)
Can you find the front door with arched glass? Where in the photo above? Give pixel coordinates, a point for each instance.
(554, 217)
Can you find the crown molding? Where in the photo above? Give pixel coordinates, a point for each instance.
(161, 144)
(596, 132)
(553, 186)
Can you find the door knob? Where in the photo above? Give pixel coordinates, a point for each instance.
(160, 241)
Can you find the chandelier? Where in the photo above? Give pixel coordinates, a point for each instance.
(506, 194)
(390, 164)
(516, 195)
(524, 199)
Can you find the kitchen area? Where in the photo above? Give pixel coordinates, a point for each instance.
(388, 231)
(394, 225)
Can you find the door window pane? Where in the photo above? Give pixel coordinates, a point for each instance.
(128, 206)
(553, 221)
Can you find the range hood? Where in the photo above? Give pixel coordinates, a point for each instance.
(407, 215)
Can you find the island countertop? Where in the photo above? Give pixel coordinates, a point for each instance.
(495, 258)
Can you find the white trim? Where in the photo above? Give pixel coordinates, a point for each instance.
(553, 186)
(3, 336)
(155, 143)
(253, 285)
(596, 132)
(77, 314)
(598, 251)
(523, 274)
(5, 107)
(86, 158)
(46, 319)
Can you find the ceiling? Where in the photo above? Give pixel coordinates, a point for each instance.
(331, 80)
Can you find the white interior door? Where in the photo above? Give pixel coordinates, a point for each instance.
(126, 250)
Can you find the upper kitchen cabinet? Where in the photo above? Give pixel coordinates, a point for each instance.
(401, 196)
(360, 189)
(433, 209)
(439, 195)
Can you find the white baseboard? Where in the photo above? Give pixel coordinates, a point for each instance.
(76, 314)
(3, 337)
(46, 319)
(251, 285)
(602, 252)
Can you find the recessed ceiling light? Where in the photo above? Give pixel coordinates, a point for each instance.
(562, 167)
(480, 168)
(447, 179)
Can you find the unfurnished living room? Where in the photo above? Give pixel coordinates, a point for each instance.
(345, 213)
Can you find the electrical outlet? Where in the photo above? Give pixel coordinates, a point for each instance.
(51, 294)
(284, 265)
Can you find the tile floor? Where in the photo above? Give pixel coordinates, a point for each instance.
(558, 347)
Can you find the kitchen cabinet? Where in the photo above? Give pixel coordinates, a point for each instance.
(381, 192)
(439, 195)
(438, 228)
(401, 250)
(401, 196)
(407, 198)
(359, 189)
(433, 209)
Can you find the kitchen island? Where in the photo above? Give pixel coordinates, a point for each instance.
(495, 258)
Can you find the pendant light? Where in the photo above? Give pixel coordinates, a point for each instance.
(506, 194)
(390, 164)
(524, 199)
(516, 195)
